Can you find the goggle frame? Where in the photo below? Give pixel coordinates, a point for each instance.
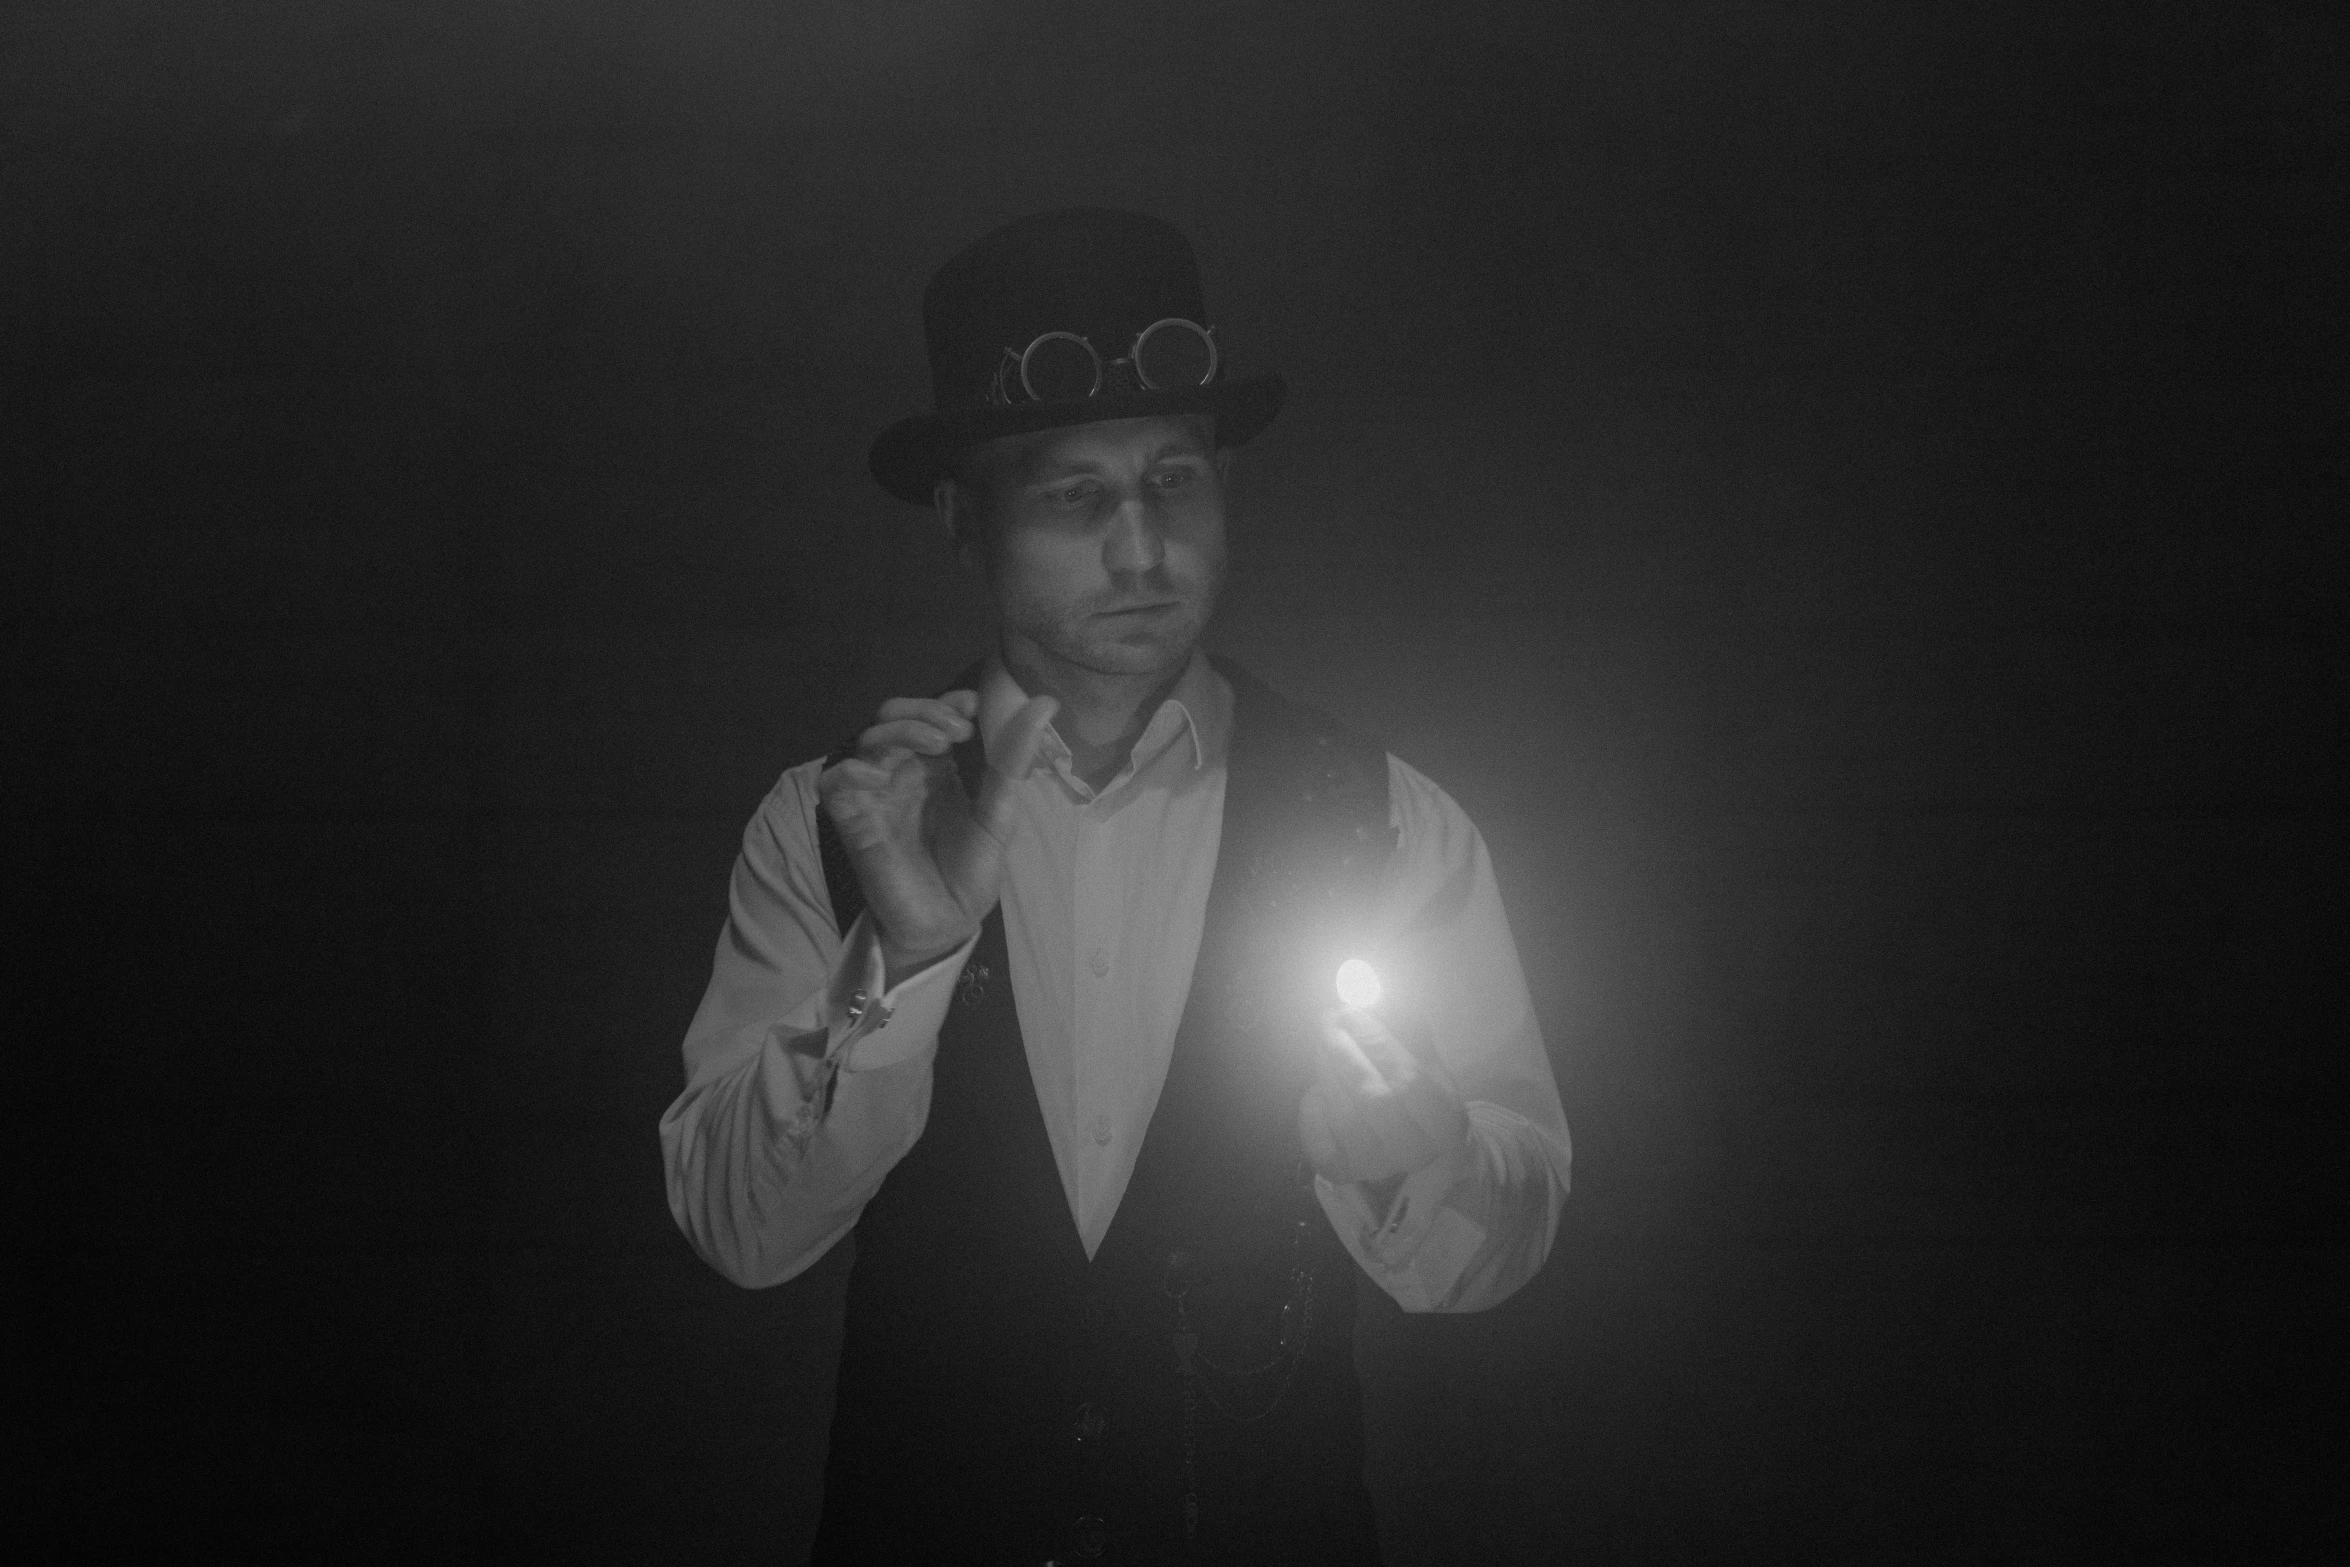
(1013, 369)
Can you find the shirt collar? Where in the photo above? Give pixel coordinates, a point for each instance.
(1199, 708)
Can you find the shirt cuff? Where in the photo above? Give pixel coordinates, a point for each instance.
(869, 1028)
(1420, 1245)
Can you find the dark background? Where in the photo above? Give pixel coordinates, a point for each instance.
(1846, 495)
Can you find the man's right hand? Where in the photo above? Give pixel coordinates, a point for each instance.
(929, 858)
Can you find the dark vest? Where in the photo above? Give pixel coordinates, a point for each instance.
(1002, 1399)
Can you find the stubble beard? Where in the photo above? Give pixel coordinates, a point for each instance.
(1078, 639)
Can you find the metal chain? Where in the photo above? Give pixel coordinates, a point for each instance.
(1285, 1360)
(1297, 1331)
(1190, 1454)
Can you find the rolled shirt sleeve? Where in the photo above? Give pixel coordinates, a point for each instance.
(1463, 1233)
(806, 1080)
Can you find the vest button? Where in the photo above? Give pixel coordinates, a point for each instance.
(1101, 1129)
(1099, 963)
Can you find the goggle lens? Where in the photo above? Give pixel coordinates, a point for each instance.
(1174, 354)
(1060, 367)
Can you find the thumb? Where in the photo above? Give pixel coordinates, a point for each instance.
(1344, 1057)
(1012, 754)
(1380, 1051)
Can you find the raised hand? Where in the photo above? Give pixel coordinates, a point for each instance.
(1376, 1108)
(929, 858)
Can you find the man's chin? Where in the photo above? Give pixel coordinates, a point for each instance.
(1136, 652)
(1127, 658)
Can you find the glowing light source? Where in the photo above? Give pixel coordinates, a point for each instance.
(1358, 984)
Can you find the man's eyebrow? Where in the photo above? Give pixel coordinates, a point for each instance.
(1043, 463)
(1038, 467)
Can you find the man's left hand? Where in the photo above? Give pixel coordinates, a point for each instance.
(1377, 1108)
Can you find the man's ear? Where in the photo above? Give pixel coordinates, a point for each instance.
(952, 503)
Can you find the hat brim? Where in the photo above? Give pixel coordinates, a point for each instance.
(910, 457)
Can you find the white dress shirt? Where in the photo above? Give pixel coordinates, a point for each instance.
(1104, 898)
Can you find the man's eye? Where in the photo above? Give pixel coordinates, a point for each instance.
(1175, 478)
(1070, 495)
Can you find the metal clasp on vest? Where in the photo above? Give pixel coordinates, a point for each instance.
(1183, 1271)
(972, 984)
(1093, 1422)
(1092, 1538)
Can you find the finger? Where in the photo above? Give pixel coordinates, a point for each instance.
(1346, 1057)
(1375, 1040)
(932, 710)
(963, 702)
(1017, 742)
(905, 734)
(1014, 753)
(850, 791)
(849, 774)
(1335, 1072)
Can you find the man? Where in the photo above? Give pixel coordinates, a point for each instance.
(1031, 992)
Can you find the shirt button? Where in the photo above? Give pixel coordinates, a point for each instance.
(1101, 1129)
(1099, 963)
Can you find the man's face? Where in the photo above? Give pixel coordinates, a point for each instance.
(1108, 546)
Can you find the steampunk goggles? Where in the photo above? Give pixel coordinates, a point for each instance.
(1168, 355)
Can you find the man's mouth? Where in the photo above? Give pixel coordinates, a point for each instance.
(1140, 609)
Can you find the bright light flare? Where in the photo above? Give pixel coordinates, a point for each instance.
(1358, 984)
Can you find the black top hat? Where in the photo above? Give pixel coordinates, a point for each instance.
(1105, 276)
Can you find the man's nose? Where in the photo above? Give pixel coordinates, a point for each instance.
(1136, 541)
